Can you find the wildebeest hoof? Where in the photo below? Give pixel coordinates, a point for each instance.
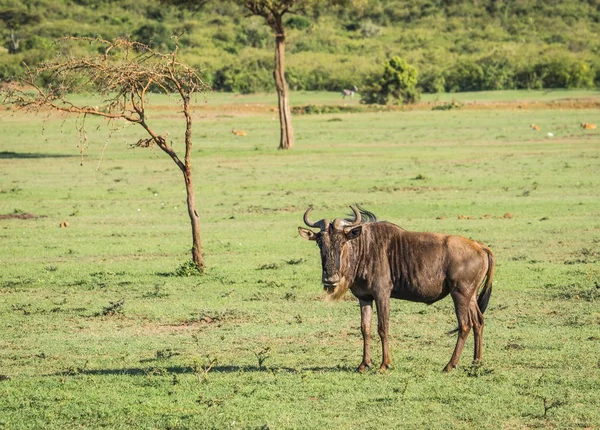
(448, 367)
(363, 368)
(384, 367)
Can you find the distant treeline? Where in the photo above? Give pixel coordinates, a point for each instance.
(455, 45)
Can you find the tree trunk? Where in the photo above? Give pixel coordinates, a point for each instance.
(285, 116)
(194, 218)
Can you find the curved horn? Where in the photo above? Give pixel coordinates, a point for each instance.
(357, 217)
(306, 220)
(321, 224)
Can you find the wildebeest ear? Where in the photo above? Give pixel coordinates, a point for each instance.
(307, 234)
(353, 233)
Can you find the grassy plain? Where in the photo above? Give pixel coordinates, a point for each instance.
(98, 331)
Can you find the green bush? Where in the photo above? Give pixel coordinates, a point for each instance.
(397, 83)
(582, 75)
(11, 69)
(527, 77)
(554, 72)
(432, 81)
(250, 76)
(317, 79)
(466, 75)
(36, 42)
(565, 73)
(253, 35)
(497, 73)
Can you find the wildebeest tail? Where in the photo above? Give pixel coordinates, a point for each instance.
(486, 292)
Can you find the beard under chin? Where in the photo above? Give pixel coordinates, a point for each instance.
(336, 294)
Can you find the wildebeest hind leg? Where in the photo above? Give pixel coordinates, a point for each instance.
(477, 321)
(462, 307)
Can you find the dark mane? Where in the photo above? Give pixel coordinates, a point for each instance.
(365, 215)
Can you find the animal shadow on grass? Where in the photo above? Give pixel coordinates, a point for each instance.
(26, 155)
(143, 371)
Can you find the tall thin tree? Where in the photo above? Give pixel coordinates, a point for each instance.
(273, 11)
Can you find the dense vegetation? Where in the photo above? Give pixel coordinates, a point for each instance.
(455, 45)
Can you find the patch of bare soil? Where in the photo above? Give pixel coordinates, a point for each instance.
(25, 215)
(583, 103)
(236, 109)
(250, 109)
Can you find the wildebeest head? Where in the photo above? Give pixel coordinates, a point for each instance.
(332, 239)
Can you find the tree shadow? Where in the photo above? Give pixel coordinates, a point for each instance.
(6, 155)
(158, 369)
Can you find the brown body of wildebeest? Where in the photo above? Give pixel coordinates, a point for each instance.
(377, 260)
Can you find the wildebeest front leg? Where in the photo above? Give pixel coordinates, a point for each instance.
(366, 313)
(383, 323)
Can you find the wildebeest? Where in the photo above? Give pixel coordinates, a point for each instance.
(377, 260)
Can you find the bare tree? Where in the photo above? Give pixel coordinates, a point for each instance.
(124, 72)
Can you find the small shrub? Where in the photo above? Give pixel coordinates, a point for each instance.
(189, 268)
(262, 356)
(269, 266)
(201, 368)
(157, 293)
(325, 109)
(165, 354)
(114, 308)
(476, 370)
(447, 106)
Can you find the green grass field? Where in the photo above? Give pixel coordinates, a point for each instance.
(99, 331)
